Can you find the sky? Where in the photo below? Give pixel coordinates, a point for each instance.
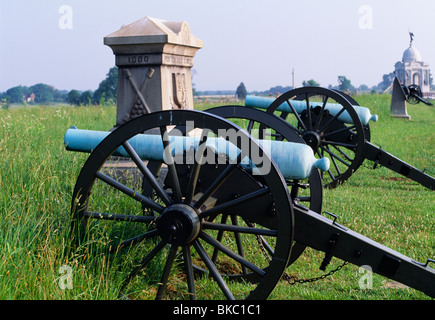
(259, 43)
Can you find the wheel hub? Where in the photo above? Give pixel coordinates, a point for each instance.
(312, 139)
(179, 224)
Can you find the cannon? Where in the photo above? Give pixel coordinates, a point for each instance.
(218, 218)
(414, 95)
(294, 160)
(335, 126)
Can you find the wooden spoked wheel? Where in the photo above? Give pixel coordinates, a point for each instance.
(176, 230)
(336, 133)
(308, 192)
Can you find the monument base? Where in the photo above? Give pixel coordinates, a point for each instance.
(405, 116)
(398, 101)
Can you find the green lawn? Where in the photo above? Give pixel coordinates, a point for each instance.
(38, 176)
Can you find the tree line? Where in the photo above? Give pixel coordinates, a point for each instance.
(343, 84)
(107, 90)
(45, 94)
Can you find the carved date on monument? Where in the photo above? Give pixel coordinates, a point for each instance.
(135, 60)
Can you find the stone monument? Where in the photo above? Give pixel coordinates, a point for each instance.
(154, 58)
(412, 70)
(398, 101)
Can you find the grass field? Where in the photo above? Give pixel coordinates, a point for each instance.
(37, 177)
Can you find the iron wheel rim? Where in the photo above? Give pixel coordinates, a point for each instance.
(345, 158)
(277, 190)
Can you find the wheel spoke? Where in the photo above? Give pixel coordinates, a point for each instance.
(335, 164)
(189, 272)
(342, 153)
(213, 271)
(196, 167)
(130, 192)
(147, 173)
(219, 181)
(322, 110)
(166, 271)
(341, 144)
(310, 124)
(333, 155)
(250, 126)
(338, 131)
(219, 237)
(171, 166)
(297, 115)
(238, 241)
(223, 206)
(231, 253)
(261, 239)
(143, 263)
(118, 217)
(321, 155)
(332, 120)
(240, 229)
(135, 240)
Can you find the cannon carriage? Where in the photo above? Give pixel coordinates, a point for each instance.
(334, 125)
(238, 210)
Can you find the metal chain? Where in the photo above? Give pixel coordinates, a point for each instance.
(292, 280)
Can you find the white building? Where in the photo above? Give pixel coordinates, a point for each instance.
(413, 70)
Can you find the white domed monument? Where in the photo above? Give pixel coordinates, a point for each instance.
(411, 83)
(412, 70)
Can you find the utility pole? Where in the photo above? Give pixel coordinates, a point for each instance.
(293, 78)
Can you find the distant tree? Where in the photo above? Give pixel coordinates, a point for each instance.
(277, 90)
(43, 93)
(194, 91)
(193, 73)
(387, 80)
(86, 97)
(60, 95)
(108, 87)
(15, 95)
(344, 84)
(73, 97)
(310, 83)
(364, 88)
(241, 91)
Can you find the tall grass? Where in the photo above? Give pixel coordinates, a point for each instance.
(37, 177)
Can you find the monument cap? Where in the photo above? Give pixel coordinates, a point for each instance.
(151, 35)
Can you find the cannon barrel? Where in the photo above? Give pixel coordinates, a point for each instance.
(294, 160)
(333, 108)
